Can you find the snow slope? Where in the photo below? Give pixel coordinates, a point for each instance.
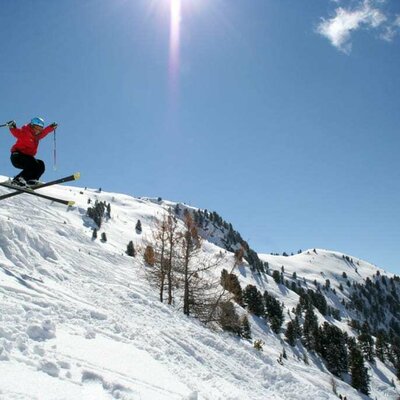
(78, 319)
(319, 265)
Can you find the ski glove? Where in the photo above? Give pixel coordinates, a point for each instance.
(54, 125)
(12, 124)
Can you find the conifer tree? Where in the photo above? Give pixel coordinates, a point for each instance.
(138, 227)
(103, 237)
(381, 346)
(297, 327)
(290, 334)
(276, 276)
(359, 373)
(299, 310)
(94, 234)
(97, 212)
(228, 318)
(246, 328)
(274, 312)
(130, 250)
(310, 329)
(366, 342)
(108, 210)
(394, 353)
(332, 347)
(284, 354)
(252, 298)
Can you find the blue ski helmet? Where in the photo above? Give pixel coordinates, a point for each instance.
(37, 121)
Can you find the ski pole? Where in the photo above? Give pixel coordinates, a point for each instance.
(55, 151)
(9, 123)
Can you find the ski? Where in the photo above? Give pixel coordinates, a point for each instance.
(21, 190)
(32, 190)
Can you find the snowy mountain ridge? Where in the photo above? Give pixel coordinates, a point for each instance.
(79, 319)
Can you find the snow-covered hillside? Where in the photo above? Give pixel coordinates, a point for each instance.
(79, 320)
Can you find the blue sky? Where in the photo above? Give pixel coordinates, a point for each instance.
(283, 116)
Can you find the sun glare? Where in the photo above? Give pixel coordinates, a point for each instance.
(175, 24)
(174, 45)
(175, 11)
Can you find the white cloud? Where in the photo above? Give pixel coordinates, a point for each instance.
(391, 30)
(339, 28)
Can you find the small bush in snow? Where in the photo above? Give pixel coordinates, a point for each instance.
(258, 344)
(149, 256)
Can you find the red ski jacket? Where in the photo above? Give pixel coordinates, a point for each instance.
(27, 141)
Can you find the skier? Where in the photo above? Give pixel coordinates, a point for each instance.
(24, 150)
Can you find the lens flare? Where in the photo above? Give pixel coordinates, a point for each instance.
(174, 46)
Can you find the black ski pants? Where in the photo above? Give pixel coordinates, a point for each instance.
(32, 169)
